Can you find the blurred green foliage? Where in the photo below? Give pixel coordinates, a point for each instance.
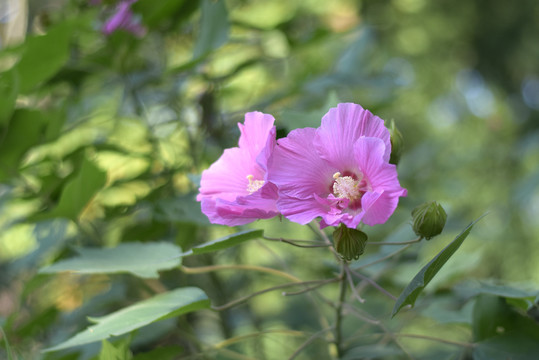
(103, 138)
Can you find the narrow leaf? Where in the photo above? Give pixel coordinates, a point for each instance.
(226, 242)
(159, 307)
(427, 273)
(140, 259)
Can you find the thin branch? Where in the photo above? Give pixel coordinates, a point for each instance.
(277, 287)
(396, 243)
(309, 341)
(384, 258)
(295, 242)
(352, 285)
(205, 269)
(338, 311)
(311, 287)
(236, 339)
(361, 316)
(373, 283)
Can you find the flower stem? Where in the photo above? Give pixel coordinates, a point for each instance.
(316, 244)
(277, 287)
(338, 311)
(396, 243)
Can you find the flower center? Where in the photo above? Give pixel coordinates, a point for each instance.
(346, 187)
(254, 185)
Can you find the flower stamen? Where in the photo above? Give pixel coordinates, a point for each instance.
(254, 185)
(346, 187)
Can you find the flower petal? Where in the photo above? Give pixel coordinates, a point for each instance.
(223, 212)
(380, 203)
(297, 169)
(378, 207)
(227, 177)
(301, 211)
(341, 127)
(369, 155)
(255, 132)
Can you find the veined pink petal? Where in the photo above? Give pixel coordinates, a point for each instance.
(227, 177)
(340, 129)
(368, 154)
(297, 169)
(301, 211)
(255, 132)
(230, 213)
(379, 203)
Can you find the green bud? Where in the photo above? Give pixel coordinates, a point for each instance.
(349, 243)
(428, 219)
(397, 143)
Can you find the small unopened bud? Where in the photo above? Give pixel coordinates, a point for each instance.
(428, 219)
(397, 143)
(349, 243)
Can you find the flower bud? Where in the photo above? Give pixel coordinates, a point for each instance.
(397, 143)
(428, 219)
(349, 243)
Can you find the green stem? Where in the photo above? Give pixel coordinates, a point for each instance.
(338, 311)
(396, 243)
(277, 287)
(316, 244)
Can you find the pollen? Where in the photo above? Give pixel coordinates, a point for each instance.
(346, 187)
(254, 185)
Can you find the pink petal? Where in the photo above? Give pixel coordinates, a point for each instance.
(297, 169)
(227, 177)
(229, 213)
(369, 153)
(341, 127)
(301, 211)
(379, 207)
(380, 203)
(255, 132)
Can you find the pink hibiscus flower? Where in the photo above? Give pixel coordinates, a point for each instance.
(339, 172)
(235, 189)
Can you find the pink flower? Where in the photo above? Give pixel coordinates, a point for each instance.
(340, 171)
(124, 19)
(235, 189)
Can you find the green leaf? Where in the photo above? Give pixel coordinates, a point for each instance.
(78, 192)
(24, 132)
(427, 273)
(159, 307)
(6, 345)
(516, 345)
(226, 242)
(140, 259)
(120, 351)
(180, 209)
(43, 56)
(501, 332)
(493, 287)
(214, 28)
(153, 12)
(9, 89)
